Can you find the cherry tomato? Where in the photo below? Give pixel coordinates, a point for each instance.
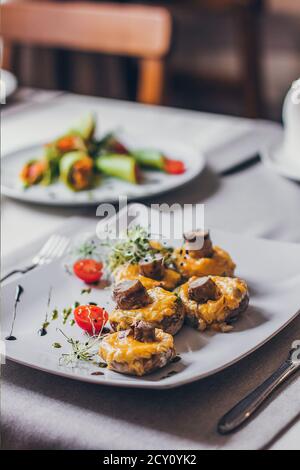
(90, 318)
(88, 270)
(174, 167)
(116, 146)
(66, 143)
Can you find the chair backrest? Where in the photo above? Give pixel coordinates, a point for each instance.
(139, 31)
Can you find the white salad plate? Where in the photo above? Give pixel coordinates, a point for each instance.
(270, 268)
(109, 189)
(276, 159)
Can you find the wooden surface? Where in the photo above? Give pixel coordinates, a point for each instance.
(139, 31)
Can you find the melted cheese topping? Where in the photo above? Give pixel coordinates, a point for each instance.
(164, 304)
(220, 264)
(131, 272)
(128, 350)
(231, 292)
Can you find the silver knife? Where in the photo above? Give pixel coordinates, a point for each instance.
(241, 412)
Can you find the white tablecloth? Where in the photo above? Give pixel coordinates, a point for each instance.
(43, 411)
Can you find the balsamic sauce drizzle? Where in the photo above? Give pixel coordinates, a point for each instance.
(43, 330)
(19, 291)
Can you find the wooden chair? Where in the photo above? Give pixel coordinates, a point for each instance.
(139, 31)
(246, 16)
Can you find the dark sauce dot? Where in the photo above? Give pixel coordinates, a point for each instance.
(97, 373)
(10, 338)
(42, 332)
(176, 359)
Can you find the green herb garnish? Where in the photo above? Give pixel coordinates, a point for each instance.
(54, 315)
(81, 351)
(66, 313)
(103, 365)
(132, 249)
(56, 345)
(88, 249)
(86, 291)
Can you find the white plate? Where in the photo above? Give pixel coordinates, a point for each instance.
(274, 157)
(272, 272)
(8, 85)
(110, 188)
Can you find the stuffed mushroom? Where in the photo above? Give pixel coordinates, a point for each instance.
(214, 301)
(161, 308)
(198, 257)
(138, 350)
(151, 272)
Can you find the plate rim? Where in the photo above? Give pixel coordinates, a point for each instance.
(156, 385)
(168, 383)
(266, 155)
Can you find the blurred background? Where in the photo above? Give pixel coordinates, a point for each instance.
(226, 56)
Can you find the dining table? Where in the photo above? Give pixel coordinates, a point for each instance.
(241, 195)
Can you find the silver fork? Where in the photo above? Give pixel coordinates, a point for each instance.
(54, 248)
(241, 412)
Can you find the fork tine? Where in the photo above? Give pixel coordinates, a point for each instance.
(55, 249)
(47, 246)
(62, 248)
(49, 250)
(59, 248)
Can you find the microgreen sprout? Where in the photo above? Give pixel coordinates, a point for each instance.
(132, 249)
(88, 249)
(86, 350)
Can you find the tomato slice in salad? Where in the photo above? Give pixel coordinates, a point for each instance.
(91, 318)
(88, 270)
(174, 167)
(66, 143)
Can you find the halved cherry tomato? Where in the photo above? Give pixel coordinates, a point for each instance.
(66, 143)
(90, 318)
(174, 167)
(119, 147)
(115, 146)
(88, 270)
